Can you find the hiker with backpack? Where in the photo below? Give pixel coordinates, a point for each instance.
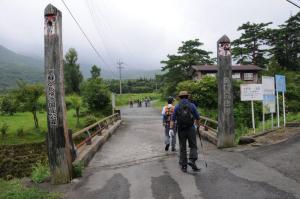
(167, 112)
(185, 114)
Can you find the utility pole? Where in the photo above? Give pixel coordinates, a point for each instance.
(120, 67)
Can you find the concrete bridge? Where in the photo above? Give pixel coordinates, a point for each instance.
(133, 164)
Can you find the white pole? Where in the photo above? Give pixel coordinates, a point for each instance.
(278, 119)
(253, 120)
(263, 117)
(283, 105)
(272, 116)
(113, 102)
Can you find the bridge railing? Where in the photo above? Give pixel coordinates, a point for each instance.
(209, 124)
(85, 135)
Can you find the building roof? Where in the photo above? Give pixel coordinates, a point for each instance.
(214, 68)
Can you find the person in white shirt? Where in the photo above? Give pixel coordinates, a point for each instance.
(167, 112)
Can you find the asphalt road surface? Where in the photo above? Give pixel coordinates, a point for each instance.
(133, 164)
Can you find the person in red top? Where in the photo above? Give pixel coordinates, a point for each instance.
(167, 112)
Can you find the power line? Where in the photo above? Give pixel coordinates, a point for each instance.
(293, 3)
(93, 15)
(85, 35)
(98, 15)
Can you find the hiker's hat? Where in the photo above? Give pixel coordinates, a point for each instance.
(183, 93)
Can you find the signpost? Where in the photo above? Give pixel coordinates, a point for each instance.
(225, 94)
(268, 98)
(280, 87)
(252, 92)
(59, 148)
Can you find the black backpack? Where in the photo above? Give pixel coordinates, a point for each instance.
(185, 118)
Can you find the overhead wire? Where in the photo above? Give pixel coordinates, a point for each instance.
(107, 26)
(87, 38)
(98, 30)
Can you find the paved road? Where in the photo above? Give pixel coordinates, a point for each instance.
(133, 164)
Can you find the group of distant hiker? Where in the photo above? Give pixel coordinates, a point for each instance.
(184, 120)
(139, 102)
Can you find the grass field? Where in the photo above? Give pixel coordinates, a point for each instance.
(14, 189)
(31, 134)
(291, 117)
(123, 100)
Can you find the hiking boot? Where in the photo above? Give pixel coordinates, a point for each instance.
(184, 169)
(194, 166)
(167, 147)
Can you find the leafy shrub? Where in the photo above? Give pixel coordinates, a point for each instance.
(3, 129)
(40, 172)
(78, 169)
(42, 104)
(203, 92)
(95, 94)
(13, 189)
(8, 104)
(90, 119)
(20, 132)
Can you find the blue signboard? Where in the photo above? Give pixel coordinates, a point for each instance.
(280, 83)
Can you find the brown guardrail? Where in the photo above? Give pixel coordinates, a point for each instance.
(209, 123)
(85, 135)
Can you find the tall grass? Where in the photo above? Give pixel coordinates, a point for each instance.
(15, 190)
(30, 134)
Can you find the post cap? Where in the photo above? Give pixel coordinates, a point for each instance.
(224, 39)
(51, 10)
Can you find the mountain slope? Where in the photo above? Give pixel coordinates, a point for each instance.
(14, 67)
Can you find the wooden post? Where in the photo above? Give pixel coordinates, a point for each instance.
(225, 94)
(57, 138)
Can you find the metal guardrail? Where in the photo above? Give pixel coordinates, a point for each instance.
(209, 124)
(85, 135)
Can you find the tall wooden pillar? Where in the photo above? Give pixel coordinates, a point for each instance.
(225, 94)
(57, 138)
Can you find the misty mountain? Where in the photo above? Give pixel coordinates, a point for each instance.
(14, 67)
(126, 73)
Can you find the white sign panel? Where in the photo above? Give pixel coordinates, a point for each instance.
(251, 92)
(268, 85)
(269, 104)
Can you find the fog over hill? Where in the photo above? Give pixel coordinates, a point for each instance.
(14, 66)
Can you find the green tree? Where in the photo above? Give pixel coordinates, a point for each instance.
(72, 74)
(285, 42)
(8, 104)
(250, 48)
(203, 92)
(76, 104)
(95, 72)
(28, 95)
(95, 94)
(179, 67)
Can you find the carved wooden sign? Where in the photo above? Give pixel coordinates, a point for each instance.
(50, 25)
(225, 94)
(224, 48)
(58, 143)
(50, 90)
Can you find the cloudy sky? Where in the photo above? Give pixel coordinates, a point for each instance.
(139, 32)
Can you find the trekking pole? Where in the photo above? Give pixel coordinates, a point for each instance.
(198, 131)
